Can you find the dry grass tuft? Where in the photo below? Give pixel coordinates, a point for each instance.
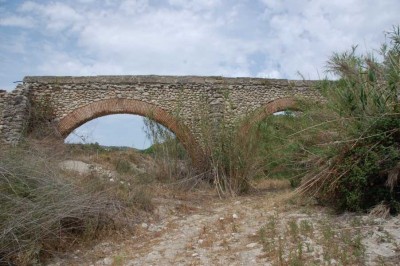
(44, 210)
(380, 211)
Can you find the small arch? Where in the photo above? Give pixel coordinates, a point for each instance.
(268, 109)
(100, 108)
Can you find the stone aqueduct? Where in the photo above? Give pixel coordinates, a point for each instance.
(178, 102)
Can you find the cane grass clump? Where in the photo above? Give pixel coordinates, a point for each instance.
(363, 171)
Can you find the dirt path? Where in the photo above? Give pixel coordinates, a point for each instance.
(251, 230)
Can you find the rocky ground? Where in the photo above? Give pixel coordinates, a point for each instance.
(268, 227)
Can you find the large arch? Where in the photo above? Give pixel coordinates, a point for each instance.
(100, 108)
(268, 109)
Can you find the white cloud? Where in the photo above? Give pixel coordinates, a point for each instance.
(17, 21)
(164, 42)
(303, 34)
(265, 38)
(201, 37)
(196, 5)
(155, 40)
(132, 7)
(55, 16)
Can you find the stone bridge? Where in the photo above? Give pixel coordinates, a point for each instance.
(184, 104)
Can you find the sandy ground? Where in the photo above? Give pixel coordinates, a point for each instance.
(261, 229)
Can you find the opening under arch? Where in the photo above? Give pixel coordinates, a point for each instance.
(268, 109)
(101, 108)
(115, 130)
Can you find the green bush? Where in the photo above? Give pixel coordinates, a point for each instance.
(363, 170)
(40, 120)
(122, 166)
(367, 167)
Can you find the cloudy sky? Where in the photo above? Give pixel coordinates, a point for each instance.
(260, 38)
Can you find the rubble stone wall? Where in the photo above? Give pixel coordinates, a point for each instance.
(14, 114)
(179, 102)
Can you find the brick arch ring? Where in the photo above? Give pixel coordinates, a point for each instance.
(100, 108)
(266, 110)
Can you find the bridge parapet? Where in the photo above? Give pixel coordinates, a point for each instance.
(152, 79)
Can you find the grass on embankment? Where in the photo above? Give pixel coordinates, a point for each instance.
(45, 210)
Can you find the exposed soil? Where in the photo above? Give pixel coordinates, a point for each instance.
(267, 227)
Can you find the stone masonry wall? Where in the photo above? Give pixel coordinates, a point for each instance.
(232, 98)
(3, 94)
(14, 114)
(190, 98)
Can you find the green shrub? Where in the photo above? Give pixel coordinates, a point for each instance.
(122, 166)
(367, 166)
(40, 120)
(363, 170)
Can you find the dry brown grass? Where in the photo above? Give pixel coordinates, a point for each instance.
(44, 210)
(271, 184)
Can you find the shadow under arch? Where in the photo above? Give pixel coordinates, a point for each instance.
(101, 108)
(266, 110)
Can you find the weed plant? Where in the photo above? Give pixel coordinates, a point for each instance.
(171, 161)
(296, 241)
(44, 210)
(41, 115)
(234, 160)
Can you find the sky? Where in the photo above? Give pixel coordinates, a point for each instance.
(246, 38)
